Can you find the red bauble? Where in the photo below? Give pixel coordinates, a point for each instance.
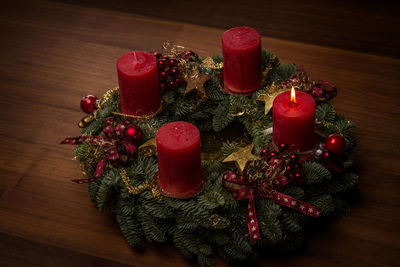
(89, 103)
(135, 133)
(335, 143)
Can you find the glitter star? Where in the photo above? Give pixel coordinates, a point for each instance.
(269, 96)
(196, 81)
(242, 156)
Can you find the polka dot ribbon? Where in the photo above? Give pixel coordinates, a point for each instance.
(243, 189)
(114, 137)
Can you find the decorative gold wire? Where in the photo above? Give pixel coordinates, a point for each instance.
(142, 117)
(140, 188)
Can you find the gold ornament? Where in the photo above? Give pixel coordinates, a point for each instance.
(242, 156)
(209, 63)
(85, 121)
(269, 96)
(148, 148)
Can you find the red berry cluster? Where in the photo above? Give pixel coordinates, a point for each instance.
(169, 74)
(291, 160)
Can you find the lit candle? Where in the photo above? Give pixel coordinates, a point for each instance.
(179, 159)
(241, 49)
(294, 120)
(138, 83)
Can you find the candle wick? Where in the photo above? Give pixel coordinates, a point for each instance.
(134, 56)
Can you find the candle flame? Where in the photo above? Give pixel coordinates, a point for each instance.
(293, 95)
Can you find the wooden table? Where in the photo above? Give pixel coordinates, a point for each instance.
(54, 52)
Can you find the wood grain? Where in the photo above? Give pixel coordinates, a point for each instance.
(53, 53)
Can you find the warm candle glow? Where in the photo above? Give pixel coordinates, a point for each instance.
(293, 95)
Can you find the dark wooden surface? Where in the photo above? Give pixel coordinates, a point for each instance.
(54, 52)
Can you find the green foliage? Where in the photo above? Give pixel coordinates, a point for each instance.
(213, 221)
(315, 172)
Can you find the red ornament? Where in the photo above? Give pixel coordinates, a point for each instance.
(89, 103)
(335, 143)
(332, 161)
(135, 133)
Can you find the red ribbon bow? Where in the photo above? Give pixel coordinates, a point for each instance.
(242, 188)
(112, 139)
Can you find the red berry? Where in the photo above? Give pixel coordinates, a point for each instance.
(178, 81)
(89, 103)
(173, 62)
(162, 87)
(174, 71)
(163, 75)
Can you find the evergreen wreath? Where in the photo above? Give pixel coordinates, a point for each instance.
(214, 220)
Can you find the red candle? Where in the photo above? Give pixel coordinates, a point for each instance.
(241, 49)
(294, 120)
(138, 83)
(179, 158)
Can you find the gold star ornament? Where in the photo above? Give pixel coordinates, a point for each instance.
(242, 156)
(269, 96)
(196, 81)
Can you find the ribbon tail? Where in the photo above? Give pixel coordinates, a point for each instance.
(97, 173)
(300, 206)
(93, 140)
(73, 140)
(252, 221)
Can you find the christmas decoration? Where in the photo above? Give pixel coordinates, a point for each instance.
(196, 82)
(332, 161)
(268, 97)
(148, 148)
(242, 157)
(209, 63)
(89, 103)
(85, 121)
(323, 91)
(279, 169)
(124, 133)
(335, 143)
(218, 219)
